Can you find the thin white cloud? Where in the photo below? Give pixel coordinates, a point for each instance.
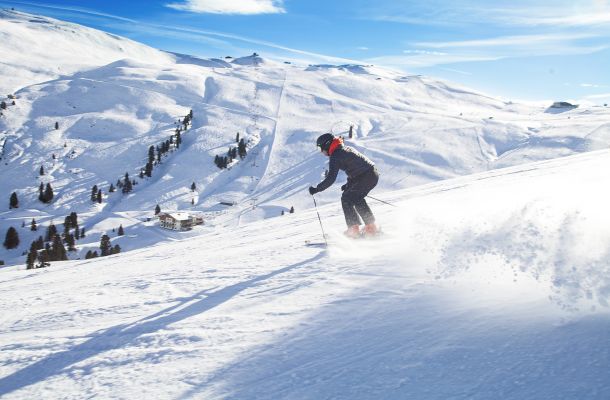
(551, 17)
(518, 40)
(457, 71)
(248, 7)
(413, 20)
(513, 46)
(426, 52)
(509, 13)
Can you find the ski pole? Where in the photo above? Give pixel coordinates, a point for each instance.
(319, 219)
(381, 201)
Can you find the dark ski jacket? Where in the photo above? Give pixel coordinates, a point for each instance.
(346, 159)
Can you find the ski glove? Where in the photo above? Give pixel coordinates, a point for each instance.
(312, 190)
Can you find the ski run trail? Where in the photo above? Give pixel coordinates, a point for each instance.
(491, 281)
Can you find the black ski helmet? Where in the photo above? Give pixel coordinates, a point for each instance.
(324, 141)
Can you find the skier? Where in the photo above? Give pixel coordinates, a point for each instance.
(362, 177)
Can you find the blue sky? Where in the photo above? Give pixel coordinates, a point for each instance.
(519, 50)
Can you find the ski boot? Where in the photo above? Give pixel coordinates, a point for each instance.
(370, 230)
(353, 232)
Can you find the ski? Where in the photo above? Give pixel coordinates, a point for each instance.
(312, 243)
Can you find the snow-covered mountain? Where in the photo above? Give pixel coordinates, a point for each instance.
(118, 98)
(37, 49)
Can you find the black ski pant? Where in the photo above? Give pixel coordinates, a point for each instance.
(352, 199)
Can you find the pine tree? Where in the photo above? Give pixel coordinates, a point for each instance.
(193, 187)
(151, 154)
(105, 245)
(127, 185)
(148, 169)
(66, 232)
(3, 105)
(192, 202)
(94, 190)
(242, 150)
(33, 226)
(71, 242)
(94, 254)
(14, 201)
(99, 196)
(50, 233)
(12, 238)
(76, 232)
(157, 209)
(43, 258)
(291, 210)
(116, 249)
(68, 223)
(39, 243)
(82, 233)
(31, 257)
(237, 138)
(58, 251)
(73, 219)
(47, 196)
(178, 140)
(41, 192)
(88, 255)
(120, 232)
(41, 170)
(111, 189)
(56, 125)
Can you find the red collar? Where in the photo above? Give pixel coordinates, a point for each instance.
(337, 142)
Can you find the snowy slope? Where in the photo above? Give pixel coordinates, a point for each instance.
(36, 49)
(110, 110)
(493, 285)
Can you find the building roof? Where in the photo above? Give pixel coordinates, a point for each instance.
(179, 216)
